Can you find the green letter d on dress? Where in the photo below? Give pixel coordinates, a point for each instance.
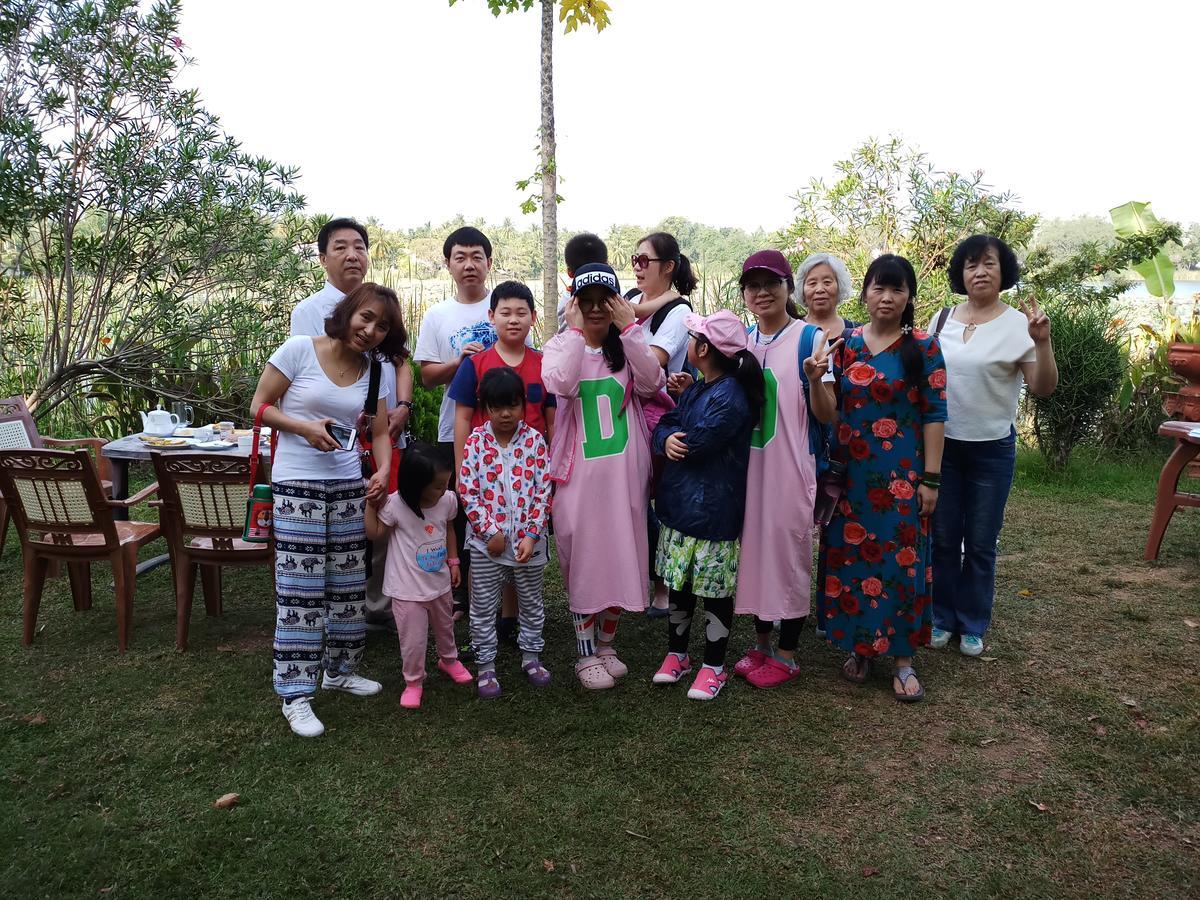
(764, 432)
(595, 442)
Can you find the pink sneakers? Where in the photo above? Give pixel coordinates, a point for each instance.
(672, 669)
(772, 673)
(411, 698)
(456, 670)
(751, 661)
(707, 684)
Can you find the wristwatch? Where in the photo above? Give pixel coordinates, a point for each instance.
(407, 404)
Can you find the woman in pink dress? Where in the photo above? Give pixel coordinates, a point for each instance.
(775, 570)
(601, 368)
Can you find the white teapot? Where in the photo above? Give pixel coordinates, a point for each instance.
(159, 423)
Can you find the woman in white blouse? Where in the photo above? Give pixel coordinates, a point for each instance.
(990, 349)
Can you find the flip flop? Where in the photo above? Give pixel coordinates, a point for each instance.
(856, 668)
(904, 673)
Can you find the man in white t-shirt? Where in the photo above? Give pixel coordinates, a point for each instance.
(342, 250)
(450, 332)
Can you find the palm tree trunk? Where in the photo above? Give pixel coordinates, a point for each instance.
(549, 178)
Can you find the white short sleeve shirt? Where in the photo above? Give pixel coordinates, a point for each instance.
(983, 375)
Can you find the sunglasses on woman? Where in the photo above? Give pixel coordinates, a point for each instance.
(641, 260)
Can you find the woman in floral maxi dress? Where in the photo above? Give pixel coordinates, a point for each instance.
(877, 586)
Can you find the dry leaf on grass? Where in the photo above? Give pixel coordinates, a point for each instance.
(1101, 731)
(1040, 807)
(1192, 623)
(1024, 592)
(36, 719)
(548, 865)
(1093, 717)
(987, 741)
(227, 801)
(224, 648)
(1132, 704)
(988, 658)
(870, 871)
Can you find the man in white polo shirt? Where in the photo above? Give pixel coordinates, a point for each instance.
(342, 249)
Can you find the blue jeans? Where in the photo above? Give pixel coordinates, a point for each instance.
(976, 479)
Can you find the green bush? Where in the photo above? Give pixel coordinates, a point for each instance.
(1091, 366)
(427, 403)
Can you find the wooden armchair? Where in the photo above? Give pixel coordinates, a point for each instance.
(203, 509)
(63, 515)
(18, 431)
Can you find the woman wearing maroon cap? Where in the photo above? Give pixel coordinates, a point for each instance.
(775, 572)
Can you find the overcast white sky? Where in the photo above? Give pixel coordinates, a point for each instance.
(717, 110)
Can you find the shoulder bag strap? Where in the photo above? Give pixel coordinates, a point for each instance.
(941, 319)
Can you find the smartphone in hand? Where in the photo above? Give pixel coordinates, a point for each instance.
(346, 436)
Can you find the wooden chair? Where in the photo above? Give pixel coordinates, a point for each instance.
(63, 515)
(203, 509)
(18, 431)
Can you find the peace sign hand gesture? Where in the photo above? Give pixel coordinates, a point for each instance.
(817, 365)
(1039, 322)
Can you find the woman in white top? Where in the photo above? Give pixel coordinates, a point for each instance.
(320, 495)
(990, 348)
(665, 279)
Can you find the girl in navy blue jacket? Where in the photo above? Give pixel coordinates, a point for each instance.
(702, 495)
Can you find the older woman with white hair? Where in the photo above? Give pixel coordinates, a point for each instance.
(822, 284)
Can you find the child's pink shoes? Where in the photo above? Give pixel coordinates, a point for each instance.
(672, 669)
(456, 670)
(411, 698)
(751, 661)
(593, 675)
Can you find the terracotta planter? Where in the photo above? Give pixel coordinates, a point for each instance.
(1184, 360)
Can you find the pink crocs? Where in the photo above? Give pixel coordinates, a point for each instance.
(751, 661)
(772, 673)
(612, 665)
(592, 674)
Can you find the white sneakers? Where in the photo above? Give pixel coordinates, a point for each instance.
(302, 719)
(351, 684)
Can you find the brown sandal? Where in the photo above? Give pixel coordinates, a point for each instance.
(856, 668)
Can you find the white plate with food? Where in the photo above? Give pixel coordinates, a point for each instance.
(164, 443)
(214, 445)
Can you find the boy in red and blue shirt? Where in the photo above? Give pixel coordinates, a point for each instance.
(512, 314)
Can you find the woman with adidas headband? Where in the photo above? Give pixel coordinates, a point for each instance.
(990, 349)
(775, 569)
(601, 368)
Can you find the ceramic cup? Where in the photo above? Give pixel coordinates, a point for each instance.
(203, 433)
(245, 442)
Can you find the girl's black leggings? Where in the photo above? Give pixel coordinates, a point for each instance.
(718, 611)
(789, 631)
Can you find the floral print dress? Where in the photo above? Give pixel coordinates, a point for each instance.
(878, 579)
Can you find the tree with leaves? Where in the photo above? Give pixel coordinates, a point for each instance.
(143, 238)
(573, 13)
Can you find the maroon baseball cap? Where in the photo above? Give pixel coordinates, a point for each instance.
(771, 260)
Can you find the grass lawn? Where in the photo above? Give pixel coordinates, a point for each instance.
(1063, 763)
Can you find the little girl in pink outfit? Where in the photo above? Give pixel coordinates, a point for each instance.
(422, 564)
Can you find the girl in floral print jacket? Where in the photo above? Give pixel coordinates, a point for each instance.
(514, 502)
(504, 483)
